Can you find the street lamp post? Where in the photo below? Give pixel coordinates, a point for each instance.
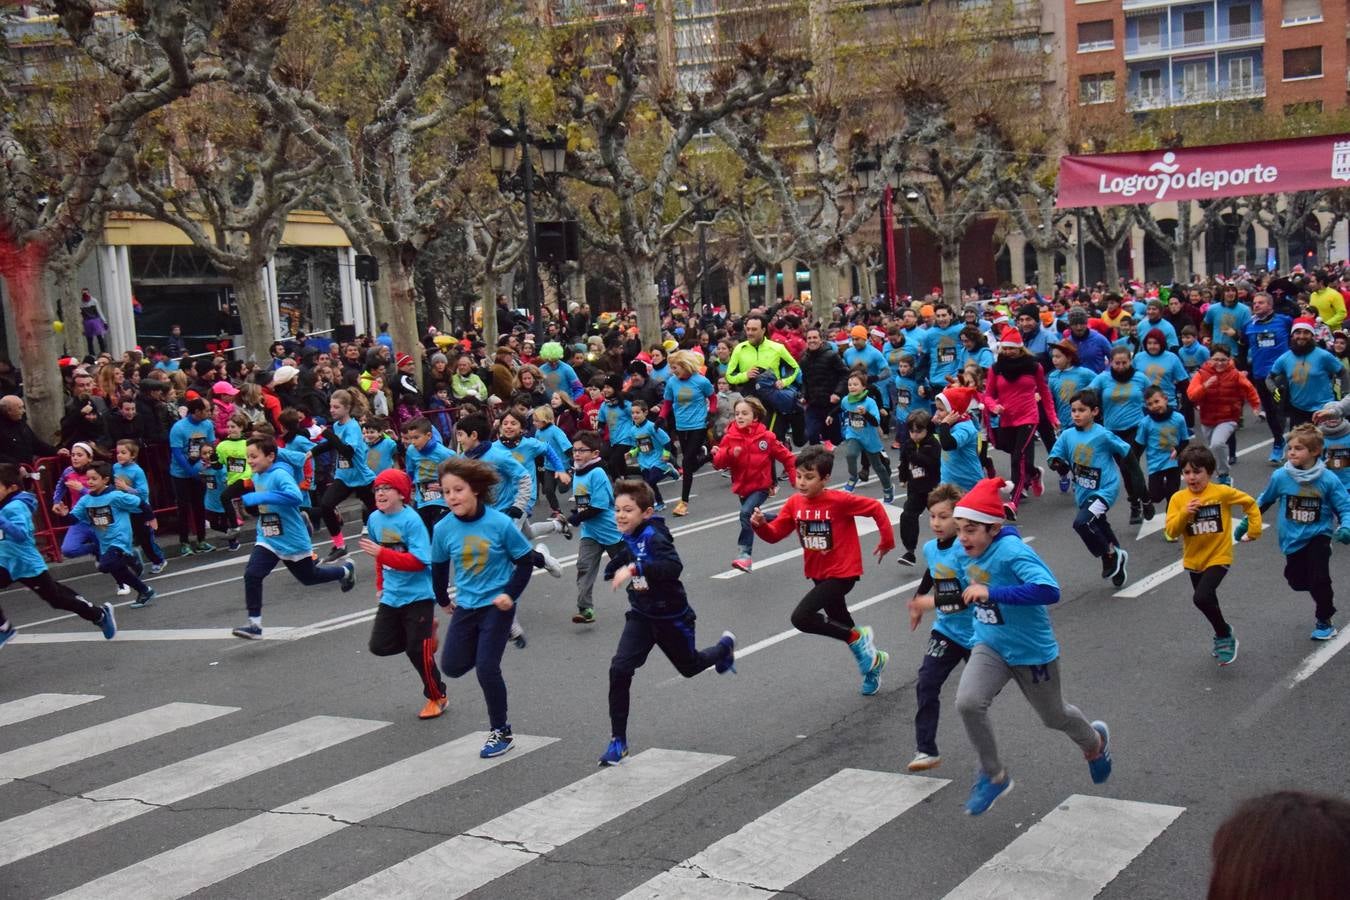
(910, 197)
(866, 170)
(516, 176)
(702, 218)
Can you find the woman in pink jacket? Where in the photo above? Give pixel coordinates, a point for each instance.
(1016, 391)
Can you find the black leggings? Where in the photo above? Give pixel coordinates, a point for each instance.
(916, 501)
(1206, 598)
(823, 610)
(1162, 485)
(1130, 470)
(692, 457)
(191, 499)
(616, 461)
(57, 595)
(410, 629)
(334, 494)
(1021, 443)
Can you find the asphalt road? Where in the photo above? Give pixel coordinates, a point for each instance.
(158, 781)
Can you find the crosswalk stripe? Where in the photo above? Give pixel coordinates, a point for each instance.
(1072, 853)
(788, 842)
(468, 861)
(97, 739)
(51, 826)
(222, 854)
(26, 708)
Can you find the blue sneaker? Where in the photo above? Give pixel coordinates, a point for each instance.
(852, 483)
(1224, 479)
(872, 680)
(985, 792)
(728, 662)
(348, 580)
(864, 650)
(659, 505)
(613, 755)
(7, 634)
(1100, 766)
(1323, 631)
(499, 740)
(144, 600)
(1064, 484)
(888, 497)
(249, 632)
(1277, 454)
(109, 623)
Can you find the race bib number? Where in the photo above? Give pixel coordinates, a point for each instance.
(1338, 458)
(431, 490)
(270, 525)
(209, 481)
(947, 595)
(638, 582)
(946, 355)
(816, 535)
(917, 471)
(101, 516)
(988, 613)
(644, 444)
(857, 421)
(583, 501)
(1303, 510)
(344, 463)
(235, 467)
(903, 397)
(1207, 520)
(1087, 477)
(1265, 340)
(195, 447)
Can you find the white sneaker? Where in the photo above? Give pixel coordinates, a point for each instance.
(123, 590)
(551, 564)
(922, 762)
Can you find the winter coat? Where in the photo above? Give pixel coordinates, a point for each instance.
(747, 452)
(1222, 402)
(823, 375)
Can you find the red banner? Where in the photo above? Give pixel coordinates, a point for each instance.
(888, 238)
(1204, 173)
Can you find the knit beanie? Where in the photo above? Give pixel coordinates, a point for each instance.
(398, 480)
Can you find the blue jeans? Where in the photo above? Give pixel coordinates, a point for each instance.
(816, 430)
(476, 639)
(746, 542)
(262, 561)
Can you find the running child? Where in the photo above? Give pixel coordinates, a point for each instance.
(953, 634)
(649, 449)
(232, 452)
(690, 396)
(615, 415)
(958, 437)
(1120, 391)
(530, 453)
(547, 431)
(747, 450)
(380, 447)
(405, 619)
(823, 520)
(71, 486)
(594, 516)
(21, 561)
(1218, 391)
(1335, 429)
(213, 488)
(492, 562)
(1313, 502)
(920, 462)
(351, 475)
(283, 535)
(1089, 453)
(862, 434)
(186, 438)
(423, 454)
(1201, 517)
(1011, 590)
(128, 476)
(659, 613)
(108, 513)
(1066, 379)
(1162, 434)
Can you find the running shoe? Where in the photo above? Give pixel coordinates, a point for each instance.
(744, 563)
(922, 762)
(1225, 649)
(888, 496)
(156, 568)
(1037, 482)
(1232, 458)
(583, 616)
(551, 564)
(434, 708)
(334, 555)
(984, 792)
(852, 484)
(1277, 455)
(1120, 574)
(864, 649)
(564, 526)
(108, 624)
(144, 600)
(203, 547)
(1108, 564)
(659, 505)
(348, 580)
(1149, 511)
(123, 590)
(681, 509)
(1100, 765)
(728, 662)
(829, 446)
(1136, 514)
(517, 636)
(249, 632)
(872, 680)
(615, 753)
(866, 474)
(1064, 484)
(1224, 479)
(1010, 512)
(499, 740)
(7, 634)
(185, 550)
(1323, 631)
(908, 559)
(232, 546)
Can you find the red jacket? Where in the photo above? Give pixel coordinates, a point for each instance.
(1018, 401)
(747, 453)
(1223, 401)
(828, 534)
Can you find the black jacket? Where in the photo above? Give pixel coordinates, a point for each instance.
(925, 456)
(655, 590)
(823, 373)
(19, 444)
(75, 426)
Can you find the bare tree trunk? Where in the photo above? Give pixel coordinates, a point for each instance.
(39, 348)
(254, 317)
(951, 271)
(68, 309)
(1045, 269)
(1282, 248)
(824, 289)
(487, 293)
(642, 280)
(1109, 255)
(395, 301)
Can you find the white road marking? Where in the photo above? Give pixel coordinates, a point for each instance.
(864, 528)
(1072, 853)
(853, 607)
(87, 743)
(1152, 580)
(470, 860)
(214, 857)
(51, 826)
(26, 708)
(790, 841)
(1320, 657)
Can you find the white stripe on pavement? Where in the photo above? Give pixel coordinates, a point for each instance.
(22, 710)
(470, 860)
(89, 742)
(853, 607)
(788, 842)
(1149, 582)
(1320, 657)
(865, 528)
(1072, 853)
(214, 857)
(51, 826)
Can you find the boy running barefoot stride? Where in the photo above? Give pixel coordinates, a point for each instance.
(832, 556)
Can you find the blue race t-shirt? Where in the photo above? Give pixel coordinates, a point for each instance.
(1310, 377)
(857, 427)
(688, 397)
(947, 566)
(354, 472)
(1019, 633)
(403, 532)
(281, 528)
(482, 552)
(591, 489)
(186, 437)
(1308, 508)
(213, 485)
(380, 455)
(650, 443)
(1218, 317)
(421, 466)
(109, 514)
(1163, 370)
(19, 555)
(618, 418)
(1122, 401)
(1064, 383)
(1091, 454)
(1161, 440)
(961, 466)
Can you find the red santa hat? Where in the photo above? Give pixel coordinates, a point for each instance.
(1010, 337)
(957, 398)
(1305, 323)
(984, 502)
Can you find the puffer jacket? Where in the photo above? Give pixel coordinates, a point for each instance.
(823, 375)
(1222, 402)
(747, 453)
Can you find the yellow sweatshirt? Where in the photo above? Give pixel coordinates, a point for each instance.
(1207, 535)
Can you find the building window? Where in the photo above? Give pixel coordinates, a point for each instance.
(1303, 62)
(1297, 12)
(1150, 83)
(1241, 73)
(1098, 88)
(1193, 27)
(1239, 22)
(1150, 32)
(1194, 79)
(1094, 36)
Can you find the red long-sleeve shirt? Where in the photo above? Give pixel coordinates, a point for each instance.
(827, 532)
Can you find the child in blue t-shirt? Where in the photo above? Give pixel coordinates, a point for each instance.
(1161, 433)
(862, 434)
(1193, 355)
(405, 619)
(492, 562)
(958, 437)
(615, 416)
(1090, 454)
(128, 476)
(1010, 590)
(215, 479)
(649, 449)
(380, 447)
(1121, 392)
(594, 515)
(547, 431)
(108, 513)
(423, 454)
(1335, 429)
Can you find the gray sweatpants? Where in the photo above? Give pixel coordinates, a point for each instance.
(1215, 437)
(588, 567)
(986, 674)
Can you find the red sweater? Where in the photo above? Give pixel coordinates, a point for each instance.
(827, 532)
(1018, 401)
(747, 453)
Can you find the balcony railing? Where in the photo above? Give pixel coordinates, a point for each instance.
(1248, 89)
(1193, 39)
